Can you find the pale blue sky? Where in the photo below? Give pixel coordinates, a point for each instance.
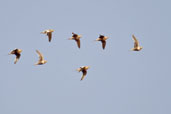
(119, 81)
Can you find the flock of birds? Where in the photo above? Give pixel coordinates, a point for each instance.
(76, 37)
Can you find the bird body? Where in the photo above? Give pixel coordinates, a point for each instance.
(76, 37)
(84, 71)
(48, 33)
(41, 59)
(137, 47)
(103, 39)
(17, 53)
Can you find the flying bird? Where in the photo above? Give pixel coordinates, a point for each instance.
(17, 53)
(137, 47)
(41, 59)
(103, 39)
(48, 33)
(84, 71)
(76, 37)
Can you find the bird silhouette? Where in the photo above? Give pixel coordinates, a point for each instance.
(84, 71)
(41, 60)
(103, 39)
(17, 53)
(137, 47)
(48, 33)
(76, 37)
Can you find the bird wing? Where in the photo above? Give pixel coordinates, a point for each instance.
(49, 34)
(78, 43)
(74, 35)
(98, 39)
(17, 58)
(103, 44)
(136, 43)
(101, 36)
(79, 69)
(13, 52)
(40, 55)
(84, 74)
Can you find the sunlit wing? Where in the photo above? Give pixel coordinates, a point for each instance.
(40, 55)
(79, 69)
(98, 39)
(136, 43)
(82, 77)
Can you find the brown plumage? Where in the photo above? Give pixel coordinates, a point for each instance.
(84, 71)
(76, 37)
(41, 60)
(103, 39)
(48, 33)
(17, 53)
(137, 47)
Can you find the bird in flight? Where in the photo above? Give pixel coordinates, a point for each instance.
(103, 39)
(84, 71)
(17, 53)
(76, 37)
(41, 59)
(48, 33)
(137, 47)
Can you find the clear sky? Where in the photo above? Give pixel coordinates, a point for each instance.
(119, 81)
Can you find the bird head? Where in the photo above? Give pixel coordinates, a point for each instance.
(20, 50)
(51, 30)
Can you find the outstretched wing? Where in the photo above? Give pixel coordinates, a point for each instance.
(17, 58)
(103, 44)
(79, 69)
(136, 43)
(84, 74)
(13, 52)
(40, 55)
(78, 43)
(49, 34)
